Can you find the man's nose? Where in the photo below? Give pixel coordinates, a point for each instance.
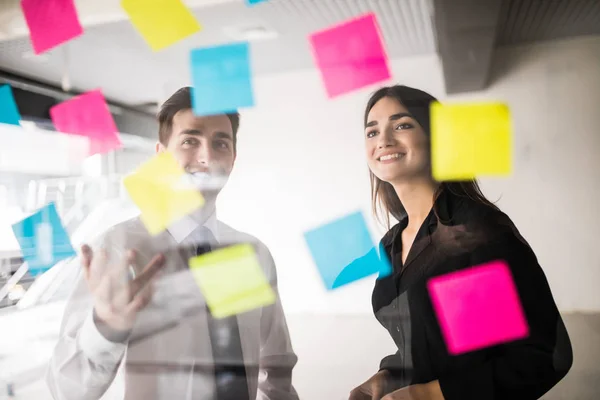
(204, 156)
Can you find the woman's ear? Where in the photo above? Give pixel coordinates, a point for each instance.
(160, 148)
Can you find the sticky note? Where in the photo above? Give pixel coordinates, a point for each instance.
(350, 55)
(478, 307)
(43, 239)
(253, 2)
(88, 115)
(50, 22)
(343, 251)
(221, 78)
(470, 140)
(161, 22)
(9, 113)
(156, 189)
(232, 280)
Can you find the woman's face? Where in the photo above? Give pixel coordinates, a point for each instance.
(396, 145)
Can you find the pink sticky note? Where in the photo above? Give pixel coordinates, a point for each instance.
(50, 22)
(350, 55)
(478, 307)
(88, 115)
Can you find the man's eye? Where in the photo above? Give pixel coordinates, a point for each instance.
(222, 145)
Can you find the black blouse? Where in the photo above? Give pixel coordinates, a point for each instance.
(462, 234)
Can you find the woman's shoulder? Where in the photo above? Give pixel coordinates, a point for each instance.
(487, 220)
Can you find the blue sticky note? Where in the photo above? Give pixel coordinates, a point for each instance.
(221, 79)
(43, 239)
(253, 2)
(9, 113)
(344, 252)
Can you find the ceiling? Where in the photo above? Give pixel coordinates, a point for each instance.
(113, 56)
(526, 21)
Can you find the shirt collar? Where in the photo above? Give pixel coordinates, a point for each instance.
(184, 227)
(443, 204)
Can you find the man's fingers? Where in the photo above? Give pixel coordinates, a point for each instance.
(98, 266)
(146, 275)
(86, 260)
(141, 300)
(358, 394)
(377, 392)
(119, 271)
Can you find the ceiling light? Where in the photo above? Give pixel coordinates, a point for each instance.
(250, 33)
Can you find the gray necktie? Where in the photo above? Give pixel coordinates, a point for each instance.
(229, 368)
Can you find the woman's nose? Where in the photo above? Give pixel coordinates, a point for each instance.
(386, 139)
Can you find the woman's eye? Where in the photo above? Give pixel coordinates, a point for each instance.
(371, 134)
(404, 126)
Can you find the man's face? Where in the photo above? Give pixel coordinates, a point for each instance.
(202, 145)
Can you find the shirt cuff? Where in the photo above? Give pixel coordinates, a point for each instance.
(97, 347)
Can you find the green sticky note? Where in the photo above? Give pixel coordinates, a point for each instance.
(161, 22)
(156, 189)
(470, 140)
(232, 280)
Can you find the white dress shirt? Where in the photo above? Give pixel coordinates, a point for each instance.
(171, 331)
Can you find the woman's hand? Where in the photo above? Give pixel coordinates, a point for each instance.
(372, 388)
(426, 391)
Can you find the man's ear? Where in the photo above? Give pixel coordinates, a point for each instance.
(160, 148)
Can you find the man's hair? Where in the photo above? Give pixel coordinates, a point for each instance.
(182, 100)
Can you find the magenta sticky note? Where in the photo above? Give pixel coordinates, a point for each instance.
(88, 115)
(50, 22)
(351, 55)
(478, 307)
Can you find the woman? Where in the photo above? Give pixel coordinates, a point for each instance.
(446, 226)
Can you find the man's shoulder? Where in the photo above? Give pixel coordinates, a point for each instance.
(230, 234)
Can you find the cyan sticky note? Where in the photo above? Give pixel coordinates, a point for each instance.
(88, 115)
(50, 22)
(470, 140)
(343, 251)
(43, 239)
(253, 2)
(221, 78)
(350, 55)
(9, 113)
(478, 307)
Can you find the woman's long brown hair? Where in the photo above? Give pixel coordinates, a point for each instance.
(384, 200)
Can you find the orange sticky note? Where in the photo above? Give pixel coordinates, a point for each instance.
(157, 189)
(470, 140)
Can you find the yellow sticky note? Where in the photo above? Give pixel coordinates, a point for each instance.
(161, 22)
(157, 191)
(470, 140)
(232, 280)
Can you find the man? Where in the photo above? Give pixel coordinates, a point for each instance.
(137, 309)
